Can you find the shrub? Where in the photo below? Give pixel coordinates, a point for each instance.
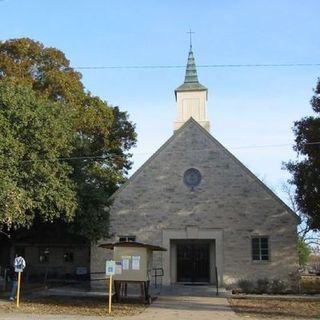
(295, 281)
(263, 286)
(246, 286)
(310, 284)
(278, 286)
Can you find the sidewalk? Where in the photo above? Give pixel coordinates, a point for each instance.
(173, 303)
(199, 308)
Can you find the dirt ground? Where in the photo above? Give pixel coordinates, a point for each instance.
(245, 306)
(276, 308)
(94, 306)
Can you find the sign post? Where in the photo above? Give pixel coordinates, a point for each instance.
(110, 271)
(18, 289)
(110, 294)
(19, 265)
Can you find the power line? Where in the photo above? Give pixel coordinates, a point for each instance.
(265, 65)
(244, 147)
(67, 158)
(272, 145)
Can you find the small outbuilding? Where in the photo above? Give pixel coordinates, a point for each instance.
(133, 265)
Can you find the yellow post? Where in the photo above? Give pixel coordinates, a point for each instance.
(110, 293)
(18, 289)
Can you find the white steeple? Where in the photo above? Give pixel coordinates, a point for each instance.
(191, 97)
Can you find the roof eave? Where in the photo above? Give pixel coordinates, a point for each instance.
(131, 244)
(180, 89)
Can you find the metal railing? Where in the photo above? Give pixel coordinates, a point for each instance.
(157, 273)
(217, 280)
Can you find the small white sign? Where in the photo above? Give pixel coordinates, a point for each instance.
(110, 267)
(19, 264)
(125, 264)
(135, 262)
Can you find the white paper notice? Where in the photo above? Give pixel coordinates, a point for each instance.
(125, 264)
(135, 262)
(118, 267)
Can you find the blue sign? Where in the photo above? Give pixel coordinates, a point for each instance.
(110, 267)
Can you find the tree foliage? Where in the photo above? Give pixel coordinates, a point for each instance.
(306, 171)
(34, 133)
(95, 158)
(304, 251)
(47, 70)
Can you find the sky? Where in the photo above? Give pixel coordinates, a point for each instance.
(251, 109)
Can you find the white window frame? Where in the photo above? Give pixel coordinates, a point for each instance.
(263, 254)
(127, 238)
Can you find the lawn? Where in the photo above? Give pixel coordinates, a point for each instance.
(276, 308)
(94, 306)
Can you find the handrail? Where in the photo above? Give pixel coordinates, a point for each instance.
(217, 280)
(156, 272)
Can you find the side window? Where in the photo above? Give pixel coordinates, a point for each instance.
(260, 249)
(127, 238)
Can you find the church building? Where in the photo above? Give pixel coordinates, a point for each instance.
(216, 219)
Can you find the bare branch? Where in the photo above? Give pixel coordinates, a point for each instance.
(4, 233)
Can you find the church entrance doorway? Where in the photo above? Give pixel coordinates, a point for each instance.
(193, 261)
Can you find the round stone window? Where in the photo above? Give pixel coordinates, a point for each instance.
(192, 177)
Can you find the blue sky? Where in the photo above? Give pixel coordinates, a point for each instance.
(247, 106)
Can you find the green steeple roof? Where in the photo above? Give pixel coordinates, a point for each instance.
(191, 82)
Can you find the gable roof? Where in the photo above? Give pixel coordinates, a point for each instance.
(192, 122)
(131, 244)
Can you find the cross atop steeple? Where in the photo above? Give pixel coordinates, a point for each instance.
(190, 33)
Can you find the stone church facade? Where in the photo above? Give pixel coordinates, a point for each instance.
(194, 198)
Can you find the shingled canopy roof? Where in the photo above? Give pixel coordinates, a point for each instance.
(131, 244)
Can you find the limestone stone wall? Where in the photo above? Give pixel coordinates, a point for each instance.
(229, 199)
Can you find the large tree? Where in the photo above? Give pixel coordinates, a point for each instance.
(306, 171)
(34, 133)
(102, 134)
